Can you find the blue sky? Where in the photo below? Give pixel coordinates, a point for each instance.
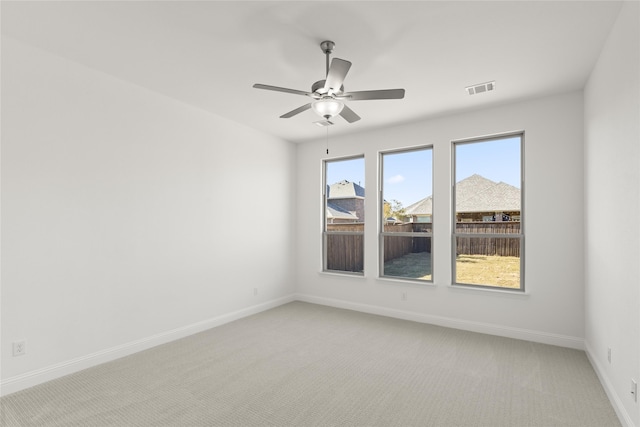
(408, 175)
(497, 160)
(351, 170)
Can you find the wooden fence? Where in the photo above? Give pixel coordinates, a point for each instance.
(399, 246)
(510, 227)
(346, 252)
(488, 245)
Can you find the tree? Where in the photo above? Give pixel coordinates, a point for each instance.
(394, 209)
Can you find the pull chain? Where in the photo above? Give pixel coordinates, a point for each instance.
(327, 139)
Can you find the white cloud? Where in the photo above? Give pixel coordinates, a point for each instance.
(395, 179)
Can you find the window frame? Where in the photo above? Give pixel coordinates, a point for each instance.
(381, 220)
(520, 235)
(326, 233)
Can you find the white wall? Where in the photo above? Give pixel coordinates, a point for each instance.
(128, 218)
(124, 213)
(612, 200)
(552, 311)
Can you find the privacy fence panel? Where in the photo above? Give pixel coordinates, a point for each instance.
(346, 252)
(489, 246)
(399, 246)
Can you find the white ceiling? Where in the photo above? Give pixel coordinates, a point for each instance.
(209, 53)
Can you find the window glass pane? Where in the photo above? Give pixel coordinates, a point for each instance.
(344, 215)
(407, 256)
(488, 180)
(407, 188)
(406, 214)
(345, 193)
(488, 261)
(488, 202)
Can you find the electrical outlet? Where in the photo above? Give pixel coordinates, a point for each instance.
(19, 348)
(609, 354)
(634, 390)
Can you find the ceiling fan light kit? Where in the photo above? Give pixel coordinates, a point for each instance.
(327, 108)
(329, 95)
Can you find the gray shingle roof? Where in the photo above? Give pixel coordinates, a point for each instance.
(344, 189)
(421, 207)
(475, 194)
(336, 212)
(471, 186)
(479, 194)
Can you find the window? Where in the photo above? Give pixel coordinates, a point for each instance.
(488, 239)
(406, 214)
(343, 201)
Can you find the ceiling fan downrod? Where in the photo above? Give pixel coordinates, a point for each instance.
(327, 47)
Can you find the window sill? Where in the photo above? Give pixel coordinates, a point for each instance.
(342, 274)
(399, 281)
(464, 288)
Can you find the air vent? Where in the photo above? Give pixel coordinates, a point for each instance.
(482, 87)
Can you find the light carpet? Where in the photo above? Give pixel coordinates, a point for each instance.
(302, 364)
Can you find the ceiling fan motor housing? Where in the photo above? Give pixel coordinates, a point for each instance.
(318, 87)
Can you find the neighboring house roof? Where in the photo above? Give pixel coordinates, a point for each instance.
(344, 189)
(336, 212)
(421, 207)
(471, 186)
(475, 194)
(478, 194)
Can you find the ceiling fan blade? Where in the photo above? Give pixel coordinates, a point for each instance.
(296, 111)
(337, 72)
(375, 94)
(348, 114)
(281, 89)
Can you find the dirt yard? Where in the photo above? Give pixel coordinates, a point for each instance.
(411, 266)
(500, 271)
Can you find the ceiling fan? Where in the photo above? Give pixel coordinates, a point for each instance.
(329, 95)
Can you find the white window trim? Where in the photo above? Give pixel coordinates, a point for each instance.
(520, 236)
(382, 234)
(325, 232)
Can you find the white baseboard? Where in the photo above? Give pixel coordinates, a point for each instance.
(38, 376)
(484, 328)
(614, 398)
